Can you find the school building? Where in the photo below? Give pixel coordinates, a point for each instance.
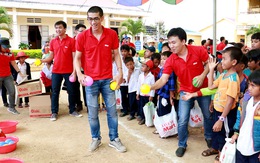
(33, 20)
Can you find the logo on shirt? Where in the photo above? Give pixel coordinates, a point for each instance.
(106, 45)
(195, 63)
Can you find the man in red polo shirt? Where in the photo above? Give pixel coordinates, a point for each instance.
(187, 62)
(96, 46)
(62, 50)
(222, 44)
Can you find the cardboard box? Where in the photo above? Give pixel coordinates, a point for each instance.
(29, 88)
(40, 105)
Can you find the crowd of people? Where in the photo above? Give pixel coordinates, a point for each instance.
(232, 110)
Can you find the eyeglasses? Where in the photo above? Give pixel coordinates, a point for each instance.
(96, 19)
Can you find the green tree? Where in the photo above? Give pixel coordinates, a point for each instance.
(133, 27)
(253, 30)
(5, 21)
(162, 31)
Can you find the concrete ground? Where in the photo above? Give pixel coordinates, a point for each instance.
(67, 139)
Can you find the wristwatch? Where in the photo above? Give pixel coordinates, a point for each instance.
(221, 118)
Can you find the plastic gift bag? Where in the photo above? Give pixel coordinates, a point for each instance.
(149, 111)
(228, 153)
(118, 99)
(196, 116)
(166, 125)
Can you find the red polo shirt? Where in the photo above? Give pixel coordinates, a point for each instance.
(97, 53)
(5, 59)
(186, 71)
(62, 52)
(221, 46)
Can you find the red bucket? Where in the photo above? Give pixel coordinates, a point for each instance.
(10, 160)
(8, 126)
(10, 147)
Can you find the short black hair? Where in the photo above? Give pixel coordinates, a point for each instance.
(239, 45)
(96, 9)
(256, 36)
(254, 77)
(156, 56)
(60, 22)
(128, 59)
(222, 38)
(190, 41)
(244, 60)
(133, 51)
(78, 26)
(235, 53)
(125, 47)
(166, 44)
(203, 42)
(179, 32)
(253, 55)
(167, 53)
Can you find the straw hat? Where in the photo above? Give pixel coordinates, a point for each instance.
(21, 54)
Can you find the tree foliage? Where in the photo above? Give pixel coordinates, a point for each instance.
(133, 27)
(253, 30)
(5, 21)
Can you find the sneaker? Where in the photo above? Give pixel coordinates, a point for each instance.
(13, 110)
(76, 114)
(54, 117)
(117, 145)
(139, 118)
(20, 105)
(180, 151)
(6, 105)
(130, 118)
(94, 144)
(26, 105)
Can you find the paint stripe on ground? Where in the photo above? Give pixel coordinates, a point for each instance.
(147, 142)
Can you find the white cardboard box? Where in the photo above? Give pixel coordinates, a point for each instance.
(40, 105)
(29, 88)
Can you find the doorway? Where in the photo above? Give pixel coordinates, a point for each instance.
(34, 37)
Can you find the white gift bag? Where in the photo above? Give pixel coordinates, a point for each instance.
(228, 153)
(118, 99)
(196, 116)
(166, 125)
(149, 111)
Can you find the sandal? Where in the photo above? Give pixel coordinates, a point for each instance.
(209, 152)
(217, 158)
(155, 132)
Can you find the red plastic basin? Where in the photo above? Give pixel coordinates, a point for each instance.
(8, 126)
(8, 148)
(10, 160)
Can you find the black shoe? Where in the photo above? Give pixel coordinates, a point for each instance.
(123, 114)
(209, 142)
(130, 118)
(180, 151)
(6, 105)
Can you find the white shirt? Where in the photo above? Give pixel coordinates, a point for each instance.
(148, 79)
(245, 138)
(47, 71)
(133, 81)
(22, 68)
